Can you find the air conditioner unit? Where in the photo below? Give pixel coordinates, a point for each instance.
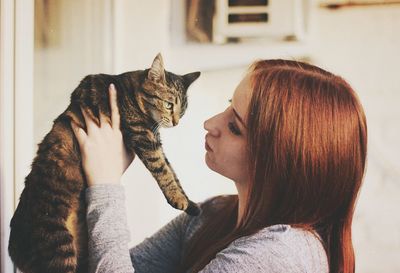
(260, 18)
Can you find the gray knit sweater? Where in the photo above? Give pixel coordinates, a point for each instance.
(278, 248)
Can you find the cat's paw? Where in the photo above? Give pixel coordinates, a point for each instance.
(180, 202)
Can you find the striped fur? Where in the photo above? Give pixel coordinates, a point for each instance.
(48, 229)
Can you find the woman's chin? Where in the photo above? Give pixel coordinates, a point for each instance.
(209, 160)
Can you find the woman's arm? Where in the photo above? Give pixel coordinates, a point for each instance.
(161, 253)
(104, 160)
(109, 236)
(108, 232)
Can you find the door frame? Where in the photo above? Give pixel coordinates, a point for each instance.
(16, 110)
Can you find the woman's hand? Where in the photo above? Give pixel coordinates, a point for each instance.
(104, 157)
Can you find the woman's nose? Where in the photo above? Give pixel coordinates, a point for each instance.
(211, 125)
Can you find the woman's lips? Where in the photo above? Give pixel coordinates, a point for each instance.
(208, 148)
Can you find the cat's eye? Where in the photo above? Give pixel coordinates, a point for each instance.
(168, 105)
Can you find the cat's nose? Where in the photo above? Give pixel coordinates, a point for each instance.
(175, 121)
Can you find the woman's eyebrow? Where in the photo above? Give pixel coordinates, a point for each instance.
(237, 115)
(239, 118)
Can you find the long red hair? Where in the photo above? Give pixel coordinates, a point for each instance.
(307, 141)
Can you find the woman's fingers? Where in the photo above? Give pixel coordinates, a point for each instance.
(104, 120)
(90, 123)
(115, 118)
(104, 156)
(79, 133)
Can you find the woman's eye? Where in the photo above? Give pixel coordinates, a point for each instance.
(232, 127)
(168, 105)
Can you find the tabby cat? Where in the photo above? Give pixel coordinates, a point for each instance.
(48, 229)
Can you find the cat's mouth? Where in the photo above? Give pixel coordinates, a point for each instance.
(167, 124)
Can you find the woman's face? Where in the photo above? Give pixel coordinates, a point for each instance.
(226, 136)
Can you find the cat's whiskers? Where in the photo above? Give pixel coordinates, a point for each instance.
(155, 127)
(154, 130)
(166, 122)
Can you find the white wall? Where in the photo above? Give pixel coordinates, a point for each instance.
(141, 31)
(82, 45)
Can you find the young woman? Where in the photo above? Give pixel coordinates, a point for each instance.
(294, 142)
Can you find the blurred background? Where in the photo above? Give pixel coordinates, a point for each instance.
(48, 46)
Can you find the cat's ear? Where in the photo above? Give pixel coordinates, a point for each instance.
(188, 79)
(156, 72)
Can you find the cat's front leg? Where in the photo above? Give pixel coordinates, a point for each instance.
(149, 150)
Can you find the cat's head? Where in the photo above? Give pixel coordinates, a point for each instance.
(164, 96)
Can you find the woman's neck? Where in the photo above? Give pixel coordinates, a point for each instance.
(242, 192)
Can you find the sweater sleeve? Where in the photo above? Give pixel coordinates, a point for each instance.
(108, 232)
(161, 253)
(109, 236)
